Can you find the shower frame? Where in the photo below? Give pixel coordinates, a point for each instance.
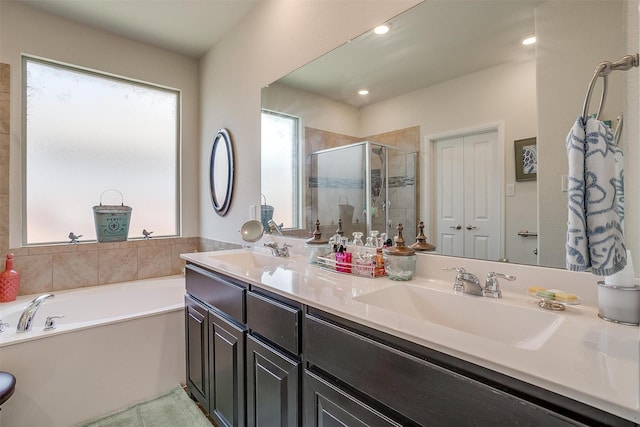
(366, 211)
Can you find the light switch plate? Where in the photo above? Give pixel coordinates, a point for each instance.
(511, 190)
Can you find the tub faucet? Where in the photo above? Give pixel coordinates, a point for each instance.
(26, 319)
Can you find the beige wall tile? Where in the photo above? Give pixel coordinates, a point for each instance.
(4, 152)
(154, 261)
(117, 265)
(4, 214)
(75, 270)
(5, 75)
(177, 263)
(53, 249)
(4, 112)
(35, 273)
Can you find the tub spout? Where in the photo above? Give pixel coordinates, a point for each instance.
(26, 319)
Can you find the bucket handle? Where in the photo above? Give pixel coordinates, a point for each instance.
(264, 198)
(112, 189)
(346, 198)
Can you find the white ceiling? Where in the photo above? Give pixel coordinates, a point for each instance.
(189, 27)
(436, 41)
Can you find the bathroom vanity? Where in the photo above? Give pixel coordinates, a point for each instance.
(275, 341)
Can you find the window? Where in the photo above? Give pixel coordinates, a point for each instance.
(86, 132)
(280, 171)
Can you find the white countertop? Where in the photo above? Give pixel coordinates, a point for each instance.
(583, 357)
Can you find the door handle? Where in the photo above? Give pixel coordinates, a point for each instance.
(470, 227)
(456, 227)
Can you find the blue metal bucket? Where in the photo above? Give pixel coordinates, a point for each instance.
(112, 221)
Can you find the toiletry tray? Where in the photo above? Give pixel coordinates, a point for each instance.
(553, 299)
(355, 269)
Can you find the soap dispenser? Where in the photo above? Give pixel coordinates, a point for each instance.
(9, 282)
(399, 260)
(316, 246)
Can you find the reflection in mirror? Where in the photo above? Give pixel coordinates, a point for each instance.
(452, 71)
(221, 172)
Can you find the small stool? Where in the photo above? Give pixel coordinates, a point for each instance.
(7, 386)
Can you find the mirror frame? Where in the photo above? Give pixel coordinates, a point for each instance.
(221, 205)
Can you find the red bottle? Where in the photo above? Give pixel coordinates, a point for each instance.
(9, 282)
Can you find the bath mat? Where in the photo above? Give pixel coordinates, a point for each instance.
(172, 409)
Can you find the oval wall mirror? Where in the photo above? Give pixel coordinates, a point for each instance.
(221, 172)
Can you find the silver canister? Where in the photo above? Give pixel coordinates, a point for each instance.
(619, 304)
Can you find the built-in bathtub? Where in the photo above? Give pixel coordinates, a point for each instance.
(115, 345)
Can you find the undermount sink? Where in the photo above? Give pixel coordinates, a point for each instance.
(493, 319)
(251, 260)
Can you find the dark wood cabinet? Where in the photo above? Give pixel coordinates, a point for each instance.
(197, 351)
(226, 371)
(326, 405)
(255, 358)
(273, 391)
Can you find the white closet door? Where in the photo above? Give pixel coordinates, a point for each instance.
(483, 231)
(449, 196)
(467, 205)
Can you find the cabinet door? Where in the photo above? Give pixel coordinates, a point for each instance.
(272, 387)
(197, 350)
(325, 405)
(227, 372)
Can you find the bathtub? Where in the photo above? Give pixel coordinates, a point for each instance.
(115, 345)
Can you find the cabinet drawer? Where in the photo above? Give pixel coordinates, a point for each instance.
(217, 291)
(275, 321)
(425, 393)
(324, 403)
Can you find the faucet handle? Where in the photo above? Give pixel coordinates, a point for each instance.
(458, 270)
(492, 287)
(50, 322)
(457, 286)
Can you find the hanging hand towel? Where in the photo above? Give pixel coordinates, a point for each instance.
(595, 200)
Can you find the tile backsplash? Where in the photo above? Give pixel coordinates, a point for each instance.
(66, 266)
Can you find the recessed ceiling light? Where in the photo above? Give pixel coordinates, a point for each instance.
(529, 40)
(381, 29)
(363, 92)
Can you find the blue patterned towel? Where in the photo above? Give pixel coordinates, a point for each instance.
(595, 200)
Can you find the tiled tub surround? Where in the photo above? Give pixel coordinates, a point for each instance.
(69, 266)
(584, 358)
(117, 344)
(4, 155)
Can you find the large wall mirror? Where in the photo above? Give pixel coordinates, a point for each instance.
(450, 80)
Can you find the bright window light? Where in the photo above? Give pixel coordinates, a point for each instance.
(86, 132)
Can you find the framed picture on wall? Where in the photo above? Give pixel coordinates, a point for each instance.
(526, 159)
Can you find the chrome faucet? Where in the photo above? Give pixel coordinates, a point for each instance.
(468, 283)
(274, 227)
(277, 251)
(26, 319)
(491, 285)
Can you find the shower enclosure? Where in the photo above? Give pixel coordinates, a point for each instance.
(369, 186)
